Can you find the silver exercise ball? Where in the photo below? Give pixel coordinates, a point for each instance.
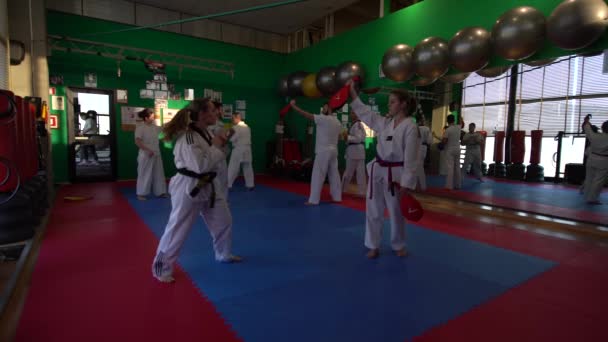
(294, 83)
(575, 24)
(347, 71)
(519, 33)
(397, 63)
(470, 49)
(431, 58)
(326, 81)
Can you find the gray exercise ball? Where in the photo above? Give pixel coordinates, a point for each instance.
(493, 72)
(431, 58)
(470, 49)
(397, 63)
(283, 87)
(347, 71)
(294, 83)
(575, 24)
(421, 81)
(455, 78)
(540, 62)
(326, 81)
(519, 33)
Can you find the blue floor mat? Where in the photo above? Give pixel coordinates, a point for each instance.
(561, 197)
(305, 277)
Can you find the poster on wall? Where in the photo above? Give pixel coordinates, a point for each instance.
(243, 114)
(57, 103)
(161, 95)
(128, 117)
(208, 93)
(121, 96)
(90, 80)
(146, 94)
(227, 109)
(188, 94)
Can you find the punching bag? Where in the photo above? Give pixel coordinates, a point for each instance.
(22, 159)
(8, 142)
(534, 171)
(498, 169)
(499, 146)
(518, 147)
(516, 169)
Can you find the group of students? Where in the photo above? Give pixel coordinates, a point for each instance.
(396, 170)
(402, 144)
(453, 137)
(199, 157)
(150, 171)
(203, 177)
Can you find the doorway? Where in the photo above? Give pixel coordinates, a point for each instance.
(92, 141)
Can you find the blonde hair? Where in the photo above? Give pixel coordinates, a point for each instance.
(182, 119)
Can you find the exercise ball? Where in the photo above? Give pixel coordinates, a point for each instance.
(309, 86)
(493, 72)
(294, 82)
(283, 88)
(540, 62)
(397, 63)
(347, 71)
(421, 81)
(431, 58)
(455, 78)
(470, 49)
(326, 81)
(575, 24)
(518, 33)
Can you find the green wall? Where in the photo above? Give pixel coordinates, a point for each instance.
(442, 18)
(257, 71)
(254, 81)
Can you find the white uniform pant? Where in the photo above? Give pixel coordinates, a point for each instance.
(595, 178)
(222, 179)
(472, 158)
(420, 175)
(353, 165)
(237, 161)
(150, 174)
(452, 158)
(326, 163)
(184, 212)
(374, 211)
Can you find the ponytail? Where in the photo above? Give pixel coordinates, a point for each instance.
(184, 117)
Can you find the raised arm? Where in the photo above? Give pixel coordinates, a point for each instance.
(302, 112)
(375, 121)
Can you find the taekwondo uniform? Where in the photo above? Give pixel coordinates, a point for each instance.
(396, 162)
(150, 170)
(241, 155)
(355, 156)
(193, 193)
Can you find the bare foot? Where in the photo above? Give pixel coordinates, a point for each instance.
(233, 259)
(142, 198)
(373, 253)
(401, 253)
(165, 279)
(164, 196)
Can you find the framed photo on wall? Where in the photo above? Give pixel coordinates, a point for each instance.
(121, 96)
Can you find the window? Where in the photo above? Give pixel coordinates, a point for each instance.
(485, 102)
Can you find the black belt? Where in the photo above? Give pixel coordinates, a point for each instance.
(355, 143)
(601, 155)
(203, 179)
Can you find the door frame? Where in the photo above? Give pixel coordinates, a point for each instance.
(112, 137)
